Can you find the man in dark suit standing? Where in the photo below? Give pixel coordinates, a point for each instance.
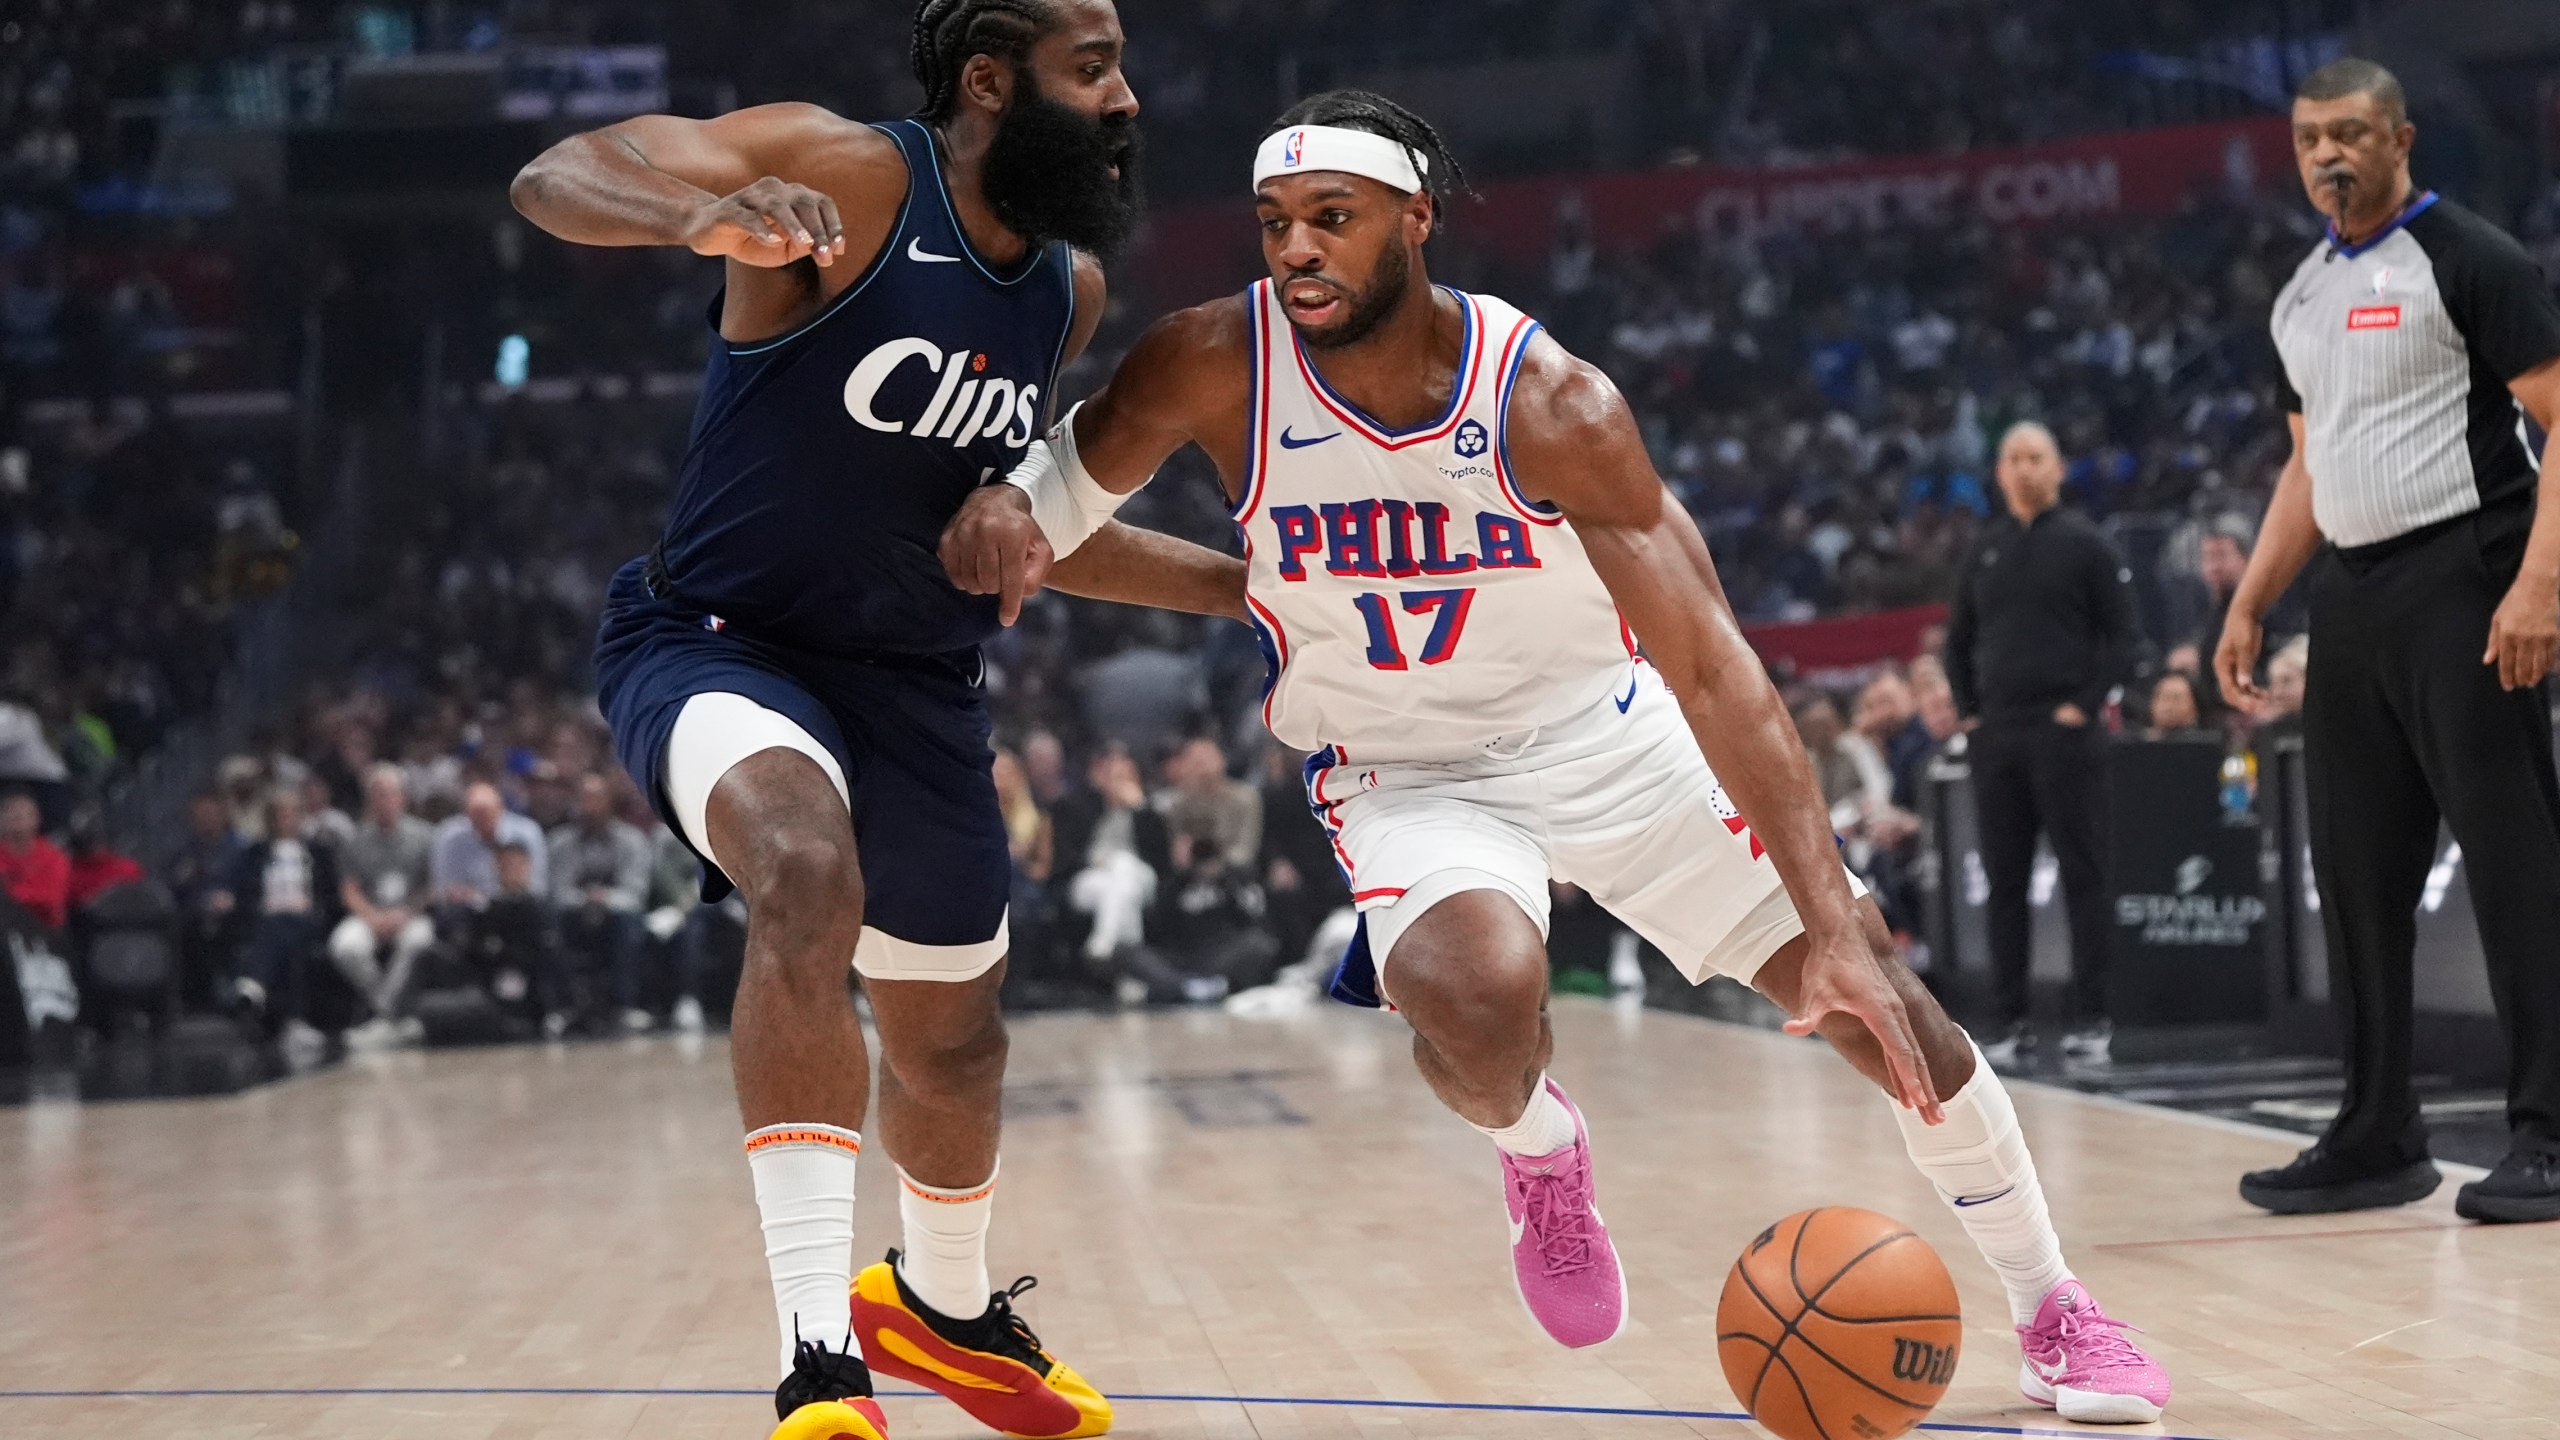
(2043, 633)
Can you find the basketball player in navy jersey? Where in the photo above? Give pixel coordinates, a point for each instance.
(1446, 548)
(794, 680)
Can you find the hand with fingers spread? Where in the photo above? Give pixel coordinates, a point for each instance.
(769, 224)
(2524, 634)
(994, 547)
(1841, 977)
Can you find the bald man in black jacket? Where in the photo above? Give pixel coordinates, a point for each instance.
(2044, 631)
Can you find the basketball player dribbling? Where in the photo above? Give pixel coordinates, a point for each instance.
(793, 679)
(1446, 517)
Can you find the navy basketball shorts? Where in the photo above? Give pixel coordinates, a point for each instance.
(905, 739)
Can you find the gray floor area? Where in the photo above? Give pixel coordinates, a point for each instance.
(2205, 1072)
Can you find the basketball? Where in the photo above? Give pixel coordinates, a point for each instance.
(1838, 1322)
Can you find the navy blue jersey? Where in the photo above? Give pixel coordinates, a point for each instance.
(824, 464)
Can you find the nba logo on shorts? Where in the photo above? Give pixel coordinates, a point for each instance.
(1295, 150)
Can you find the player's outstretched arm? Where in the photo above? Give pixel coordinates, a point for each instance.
(764, 186)
(1147, 567)
(1573, 444)
(1183, 382)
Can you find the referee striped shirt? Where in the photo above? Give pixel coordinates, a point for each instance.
(2397, 353)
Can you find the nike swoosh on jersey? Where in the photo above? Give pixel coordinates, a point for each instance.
(917, 252)
(1630, 696)
(1291, 442)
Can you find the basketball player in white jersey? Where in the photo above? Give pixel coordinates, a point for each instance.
(1454, 539)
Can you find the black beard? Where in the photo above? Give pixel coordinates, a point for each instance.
(1048, 177)
(1371, 307)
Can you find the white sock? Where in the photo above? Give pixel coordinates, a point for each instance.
(945, 1259)
(1543, 1129)
(1979, 1163)
(804, 1191)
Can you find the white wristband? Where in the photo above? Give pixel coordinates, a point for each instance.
(1066, 501)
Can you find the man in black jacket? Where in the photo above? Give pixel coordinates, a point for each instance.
(283, 892)
(2044, 631)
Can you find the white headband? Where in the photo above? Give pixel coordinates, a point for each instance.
(1302, 148)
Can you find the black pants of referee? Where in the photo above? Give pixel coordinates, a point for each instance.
(2033, 775)
(2402, 725)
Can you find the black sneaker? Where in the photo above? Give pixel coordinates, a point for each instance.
(831, 1380)
(2321, 1183)
(2525, 1187)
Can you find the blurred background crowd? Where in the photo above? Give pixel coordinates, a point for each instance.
(314, 460)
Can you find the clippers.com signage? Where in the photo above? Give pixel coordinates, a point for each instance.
(2145, 173)
(1196, 252)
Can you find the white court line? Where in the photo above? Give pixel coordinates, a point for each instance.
(2387, 1334)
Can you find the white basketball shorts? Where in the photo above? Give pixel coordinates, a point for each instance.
(1618, 801)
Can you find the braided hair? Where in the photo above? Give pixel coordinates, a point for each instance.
(948, 32)
(1442, 180)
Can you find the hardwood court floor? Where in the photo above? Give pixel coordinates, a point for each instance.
(1217, 1209)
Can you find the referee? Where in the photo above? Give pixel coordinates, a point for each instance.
(2410, 338)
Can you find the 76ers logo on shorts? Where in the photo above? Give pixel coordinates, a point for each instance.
(1731, 815)
(1472, 440)
(1293, 152)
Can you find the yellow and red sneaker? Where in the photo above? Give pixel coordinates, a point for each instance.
(992, 1366)
(827, 1396)
(858, 1419)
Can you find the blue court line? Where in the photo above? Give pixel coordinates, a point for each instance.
(332, 1392)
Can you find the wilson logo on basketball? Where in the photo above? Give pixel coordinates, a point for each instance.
(2374, 317)
(1920, 1361)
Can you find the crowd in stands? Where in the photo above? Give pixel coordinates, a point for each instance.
(127, 545)
(1757, 83)
(391, 875)
(489, 888)
(1826, 404)
(481, 869)
(113, 276)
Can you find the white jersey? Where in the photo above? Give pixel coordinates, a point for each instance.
(1411, 601)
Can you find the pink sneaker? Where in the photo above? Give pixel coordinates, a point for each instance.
(2080, 1365)
(1560, 1252)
